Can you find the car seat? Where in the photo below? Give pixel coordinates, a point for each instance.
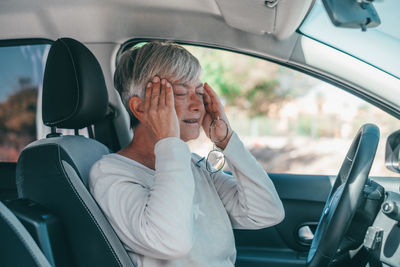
(53, 172)
(17, 247)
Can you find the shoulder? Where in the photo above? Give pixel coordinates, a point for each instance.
(109, 163)
(114, 168)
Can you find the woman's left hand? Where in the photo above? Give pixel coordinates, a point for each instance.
(215, 111)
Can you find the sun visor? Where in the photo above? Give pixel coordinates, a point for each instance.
(277, 17)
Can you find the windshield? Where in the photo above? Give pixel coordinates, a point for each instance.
(378, 46)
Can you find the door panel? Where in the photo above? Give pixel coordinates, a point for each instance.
(303, 197)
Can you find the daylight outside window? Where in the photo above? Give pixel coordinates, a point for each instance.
(291, 122)
(21, 77)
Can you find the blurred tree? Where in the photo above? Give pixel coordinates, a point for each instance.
(263, 96)
(245, 82)
(218, 73)
(18, 118)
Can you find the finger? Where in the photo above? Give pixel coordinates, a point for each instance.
(169, 97)
(161, 101)
(211, 98)
(206, 122)
(206, 99)
(148, 96)
(213, 95)
(155, 93)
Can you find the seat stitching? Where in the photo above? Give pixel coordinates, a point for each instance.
(91, 215)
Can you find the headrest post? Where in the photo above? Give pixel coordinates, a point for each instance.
(76, 131)
(90, 131)
(53, 132)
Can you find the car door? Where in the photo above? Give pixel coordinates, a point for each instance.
(299, 128)
(287, 243)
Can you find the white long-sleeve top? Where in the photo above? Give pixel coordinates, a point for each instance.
(179, 214)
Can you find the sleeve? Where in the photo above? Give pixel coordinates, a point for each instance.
(156, 222)
(249, 196)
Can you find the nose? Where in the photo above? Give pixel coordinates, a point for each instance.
(195, 102)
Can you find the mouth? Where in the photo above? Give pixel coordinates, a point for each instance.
(191, 121)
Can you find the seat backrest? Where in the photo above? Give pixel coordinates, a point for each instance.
(54, 171)
(17, 247)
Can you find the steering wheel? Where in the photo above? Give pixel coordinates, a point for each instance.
(344, 197)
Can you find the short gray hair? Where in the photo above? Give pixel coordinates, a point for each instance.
(138, 66)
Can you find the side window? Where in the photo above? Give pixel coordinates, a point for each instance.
(21, 76)
(291, 122)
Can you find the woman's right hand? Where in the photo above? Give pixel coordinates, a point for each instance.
(159, 110)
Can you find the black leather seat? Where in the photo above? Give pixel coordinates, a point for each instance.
(17, 247)
(54, 171)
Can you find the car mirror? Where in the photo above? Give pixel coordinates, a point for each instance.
(352, 13)
(392, 154)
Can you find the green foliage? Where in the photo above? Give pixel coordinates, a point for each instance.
(231, 76)
(254, 100)
(139, 45)
(261, 96)
(18, 117)
(218, 73)
(265, 89)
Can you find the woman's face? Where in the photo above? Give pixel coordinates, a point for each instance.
(189, 108)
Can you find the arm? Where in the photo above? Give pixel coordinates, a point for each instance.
(249, 196)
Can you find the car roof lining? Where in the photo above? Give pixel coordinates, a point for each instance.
(206, 22)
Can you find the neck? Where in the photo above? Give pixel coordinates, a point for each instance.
(141, 148)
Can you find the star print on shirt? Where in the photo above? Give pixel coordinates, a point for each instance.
(197, 212)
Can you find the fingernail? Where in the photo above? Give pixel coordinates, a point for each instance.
(169, 85)
(163, 81)
(155, 79)
(148, 84)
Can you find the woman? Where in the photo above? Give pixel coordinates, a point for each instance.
(165, 204)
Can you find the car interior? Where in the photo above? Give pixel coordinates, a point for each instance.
(15, 238)
(48, 216)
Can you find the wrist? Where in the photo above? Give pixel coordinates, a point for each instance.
(222, 145)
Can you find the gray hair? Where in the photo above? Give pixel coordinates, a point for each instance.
(138, 66)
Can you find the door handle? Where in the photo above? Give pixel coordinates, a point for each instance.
(305, 233)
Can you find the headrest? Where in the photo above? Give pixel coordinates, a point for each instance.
(74, 91)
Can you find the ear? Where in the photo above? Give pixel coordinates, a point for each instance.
(136, 105)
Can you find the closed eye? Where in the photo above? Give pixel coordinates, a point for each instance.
(179, 90)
